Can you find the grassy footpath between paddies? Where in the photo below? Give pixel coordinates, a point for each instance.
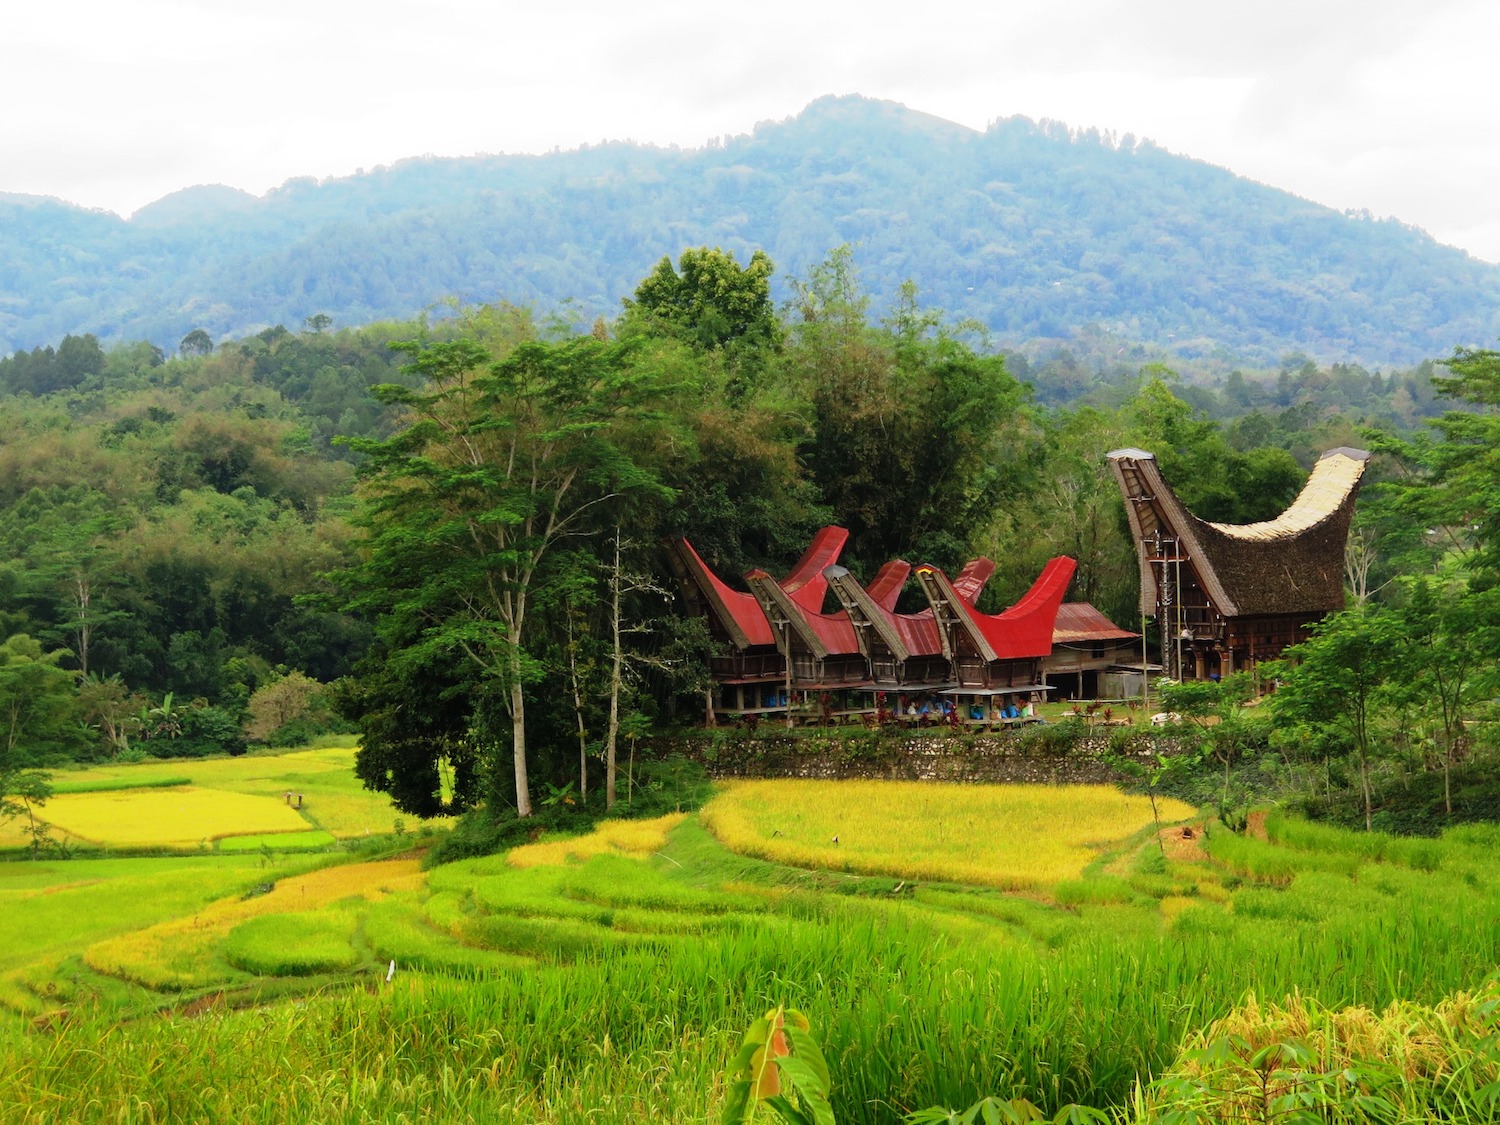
(109, 784)
(184, 952)
(280, 841)
(1016, 837)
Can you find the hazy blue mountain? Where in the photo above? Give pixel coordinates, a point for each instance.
(1029, 228)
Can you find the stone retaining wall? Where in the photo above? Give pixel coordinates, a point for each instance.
(1039, 757)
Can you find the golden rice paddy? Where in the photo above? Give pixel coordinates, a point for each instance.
(637, 838)
(322, 779)
(169, 817)
(1017, 837)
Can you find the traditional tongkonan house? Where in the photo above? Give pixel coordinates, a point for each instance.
(1227, 596)
(903, 651)
(1000, 654)
(749, 673)
(819, 649)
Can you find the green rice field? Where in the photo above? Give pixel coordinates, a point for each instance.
(616, 987)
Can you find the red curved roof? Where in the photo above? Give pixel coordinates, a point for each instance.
(1023, 630)
(917, 633)
(886, 588)
(805, 584)
(834, 632)
(739, 613)
(972, 578)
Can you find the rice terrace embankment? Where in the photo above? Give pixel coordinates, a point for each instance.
(1054, 943)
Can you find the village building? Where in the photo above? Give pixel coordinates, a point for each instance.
(782, 653)
(904, 651)
(997, 658)
(749, 670)
(1092, 657)
(1228, 596)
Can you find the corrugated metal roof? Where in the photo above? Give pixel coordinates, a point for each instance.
(1080, 622)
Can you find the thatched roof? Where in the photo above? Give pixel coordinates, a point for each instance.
(1292, 564)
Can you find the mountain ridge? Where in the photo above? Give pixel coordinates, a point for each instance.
(1031, 228)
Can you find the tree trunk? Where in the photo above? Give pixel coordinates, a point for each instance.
(1364, 783)
(583, 749)
(616, 680)
(518, 741)
(85, 626)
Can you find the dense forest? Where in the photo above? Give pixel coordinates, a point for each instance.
(308, 528)
(1036, 232)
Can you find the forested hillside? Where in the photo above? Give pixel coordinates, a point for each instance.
(1029, 229)
(180, 562)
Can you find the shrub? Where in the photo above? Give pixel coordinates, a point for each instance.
(481, 831)
(1055, 739)
(205, 730)
(670, 784)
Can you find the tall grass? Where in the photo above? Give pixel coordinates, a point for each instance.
(646, 972)
(1303, 1061)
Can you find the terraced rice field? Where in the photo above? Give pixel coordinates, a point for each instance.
(610, 978)
(1019, 837)
(197, 951)
(173, 818)
(231, 803)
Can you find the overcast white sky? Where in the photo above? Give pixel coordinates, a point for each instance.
(1388, 105)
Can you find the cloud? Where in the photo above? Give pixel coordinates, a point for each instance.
(1352, 104)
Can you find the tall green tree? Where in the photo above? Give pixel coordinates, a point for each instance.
(1451, 658)
(710, 301)
(1216, 710)
(1447, 484)
(38, 704)
(499, 463)
(1334, 681)
(917, 439)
